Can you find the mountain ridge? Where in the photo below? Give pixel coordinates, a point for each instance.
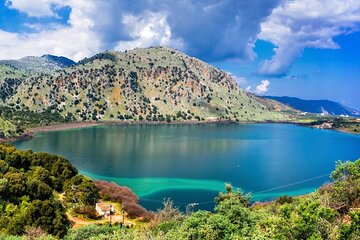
(46, 63)
(322, 106)
(153, 84)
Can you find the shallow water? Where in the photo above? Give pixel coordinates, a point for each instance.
(191, 163)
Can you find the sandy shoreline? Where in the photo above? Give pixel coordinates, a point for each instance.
(63, 126)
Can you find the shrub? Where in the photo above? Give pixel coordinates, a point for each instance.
(284, 199)
(129, 201)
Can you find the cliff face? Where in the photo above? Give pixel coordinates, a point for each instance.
(155, 84)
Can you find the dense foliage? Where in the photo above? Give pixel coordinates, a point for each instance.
(80, 195)
(28, 118)
(30, 184)
(13, 122)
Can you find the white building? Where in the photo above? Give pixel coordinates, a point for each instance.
(104, 209)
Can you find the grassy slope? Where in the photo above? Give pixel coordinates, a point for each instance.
(165, 79)
(7, 71)
(10, 79)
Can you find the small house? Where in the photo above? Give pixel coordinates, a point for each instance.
(104, 209)
(326, 125)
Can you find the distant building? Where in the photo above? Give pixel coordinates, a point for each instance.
(326, 125)
(104, 209)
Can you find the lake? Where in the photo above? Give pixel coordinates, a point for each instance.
(191, 163)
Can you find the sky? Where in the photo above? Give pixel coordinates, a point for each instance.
(302, 48)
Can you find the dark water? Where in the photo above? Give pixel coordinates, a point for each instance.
(191, 163)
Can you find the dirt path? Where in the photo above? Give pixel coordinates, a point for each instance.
(80, 222)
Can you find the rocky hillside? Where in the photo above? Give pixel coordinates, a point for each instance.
(154, 84)
(46, 63)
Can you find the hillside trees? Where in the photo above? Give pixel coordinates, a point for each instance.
(27, 184)
(80, 192)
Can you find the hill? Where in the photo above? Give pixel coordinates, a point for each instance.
(275, 105)
(153, 84)
(46, 63)
(316, 106)
(10, 79)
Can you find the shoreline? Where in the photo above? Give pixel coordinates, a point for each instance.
(30, 132)
(344, 130)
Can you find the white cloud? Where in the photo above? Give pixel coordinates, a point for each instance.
(299, 24)
(263, 87)
(64, 42)
(76, 41)
(242, 81)
(149, 29)
(211, 30)
(208, 29)
(93, 26)
(33, 8)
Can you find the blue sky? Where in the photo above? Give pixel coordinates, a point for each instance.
(303, 48)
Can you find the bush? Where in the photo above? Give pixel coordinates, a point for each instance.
(89, 231)
(352, 230)
(27, 183)
(87, 211)
(345, 191)
(134, 210)
(129, 201)
(284, 199)
(113, 192)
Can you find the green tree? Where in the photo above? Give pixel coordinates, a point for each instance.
(345, 192)
(80, 191)
(49, 215)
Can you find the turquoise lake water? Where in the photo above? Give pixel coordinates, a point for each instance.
(191, 163)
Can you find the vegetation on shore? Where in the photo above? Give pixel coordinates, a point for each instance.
(14, 123)
(29, 183)
(37, 189)
(347, 124)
